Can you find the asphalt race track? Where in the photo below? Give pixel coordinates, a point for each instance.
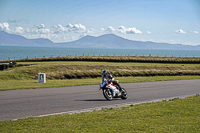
(16, 104)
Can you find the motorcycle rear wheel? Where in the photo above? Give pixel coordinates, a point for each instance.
(124, 94)
(107, 94)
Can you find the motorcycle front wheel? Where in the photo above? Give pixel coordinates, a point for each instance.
(107, 94)
(124, 94)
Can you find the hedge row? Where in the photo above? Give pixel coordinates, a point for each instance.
(147, 59)
(6, 66)
(68, 76)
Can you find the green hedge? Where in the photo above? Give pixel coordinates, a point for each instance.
(145, 59)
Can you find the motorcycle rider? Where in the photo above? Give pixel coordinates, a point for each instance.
(104, 79)
(104, 83)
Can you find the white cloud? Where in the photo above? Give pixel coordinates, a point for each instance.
(44, 31)
(133, 31)
(196, 32)
(108, 29)
(180, 31)
(148, 32)
(40, 26)
(19, 30)
(102, 29)
(32, 32)
(124, 30)
(52, 37)
(70, 26)
(60, 29)
(4, 26)
(91, 30)
(78, 28)
(38, 31)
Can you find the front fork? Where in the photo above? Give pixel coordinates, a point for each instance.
(116, 83)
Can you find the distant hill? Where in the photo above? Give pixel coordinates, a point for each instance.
(114, 41)
(103, 41)
(7, 39)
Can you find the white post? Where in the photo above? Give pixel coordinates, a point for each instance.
(41, 77)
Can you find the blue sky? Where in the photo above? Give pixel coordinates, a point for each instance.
(171, 21)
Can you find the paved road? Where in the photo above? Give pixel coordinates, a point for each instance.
(17, 104)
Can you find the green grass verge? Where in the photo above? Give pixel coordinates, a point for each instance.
(32, 84)
(176, 115)
(65, 69)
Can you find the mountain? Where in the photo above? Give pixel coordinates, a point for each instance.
(7, 39)
(114, 41)
(102, 42)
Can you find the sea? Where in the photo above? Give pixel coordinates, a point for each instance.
(16, 52)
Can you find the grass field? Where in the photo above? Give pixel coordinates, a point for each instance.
(175, 115)
(87, 73)
(62, 70)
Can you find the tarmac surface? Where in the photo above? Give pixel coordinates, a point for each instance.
(17, 104)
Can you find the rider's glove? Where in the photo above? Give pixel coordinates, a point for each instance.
(100, 87)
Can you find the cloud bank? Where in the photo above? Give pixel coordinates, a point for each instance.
(71, 32)
(67, 32)
(78, 28)
(121, 29)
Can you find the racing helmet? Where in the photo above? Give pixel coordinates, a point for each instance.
(104, 72)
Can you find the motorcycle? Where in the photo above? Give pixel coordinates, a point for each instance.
(113, 89)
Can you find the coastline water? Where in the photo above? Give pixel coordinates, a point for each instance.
(14, 52)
